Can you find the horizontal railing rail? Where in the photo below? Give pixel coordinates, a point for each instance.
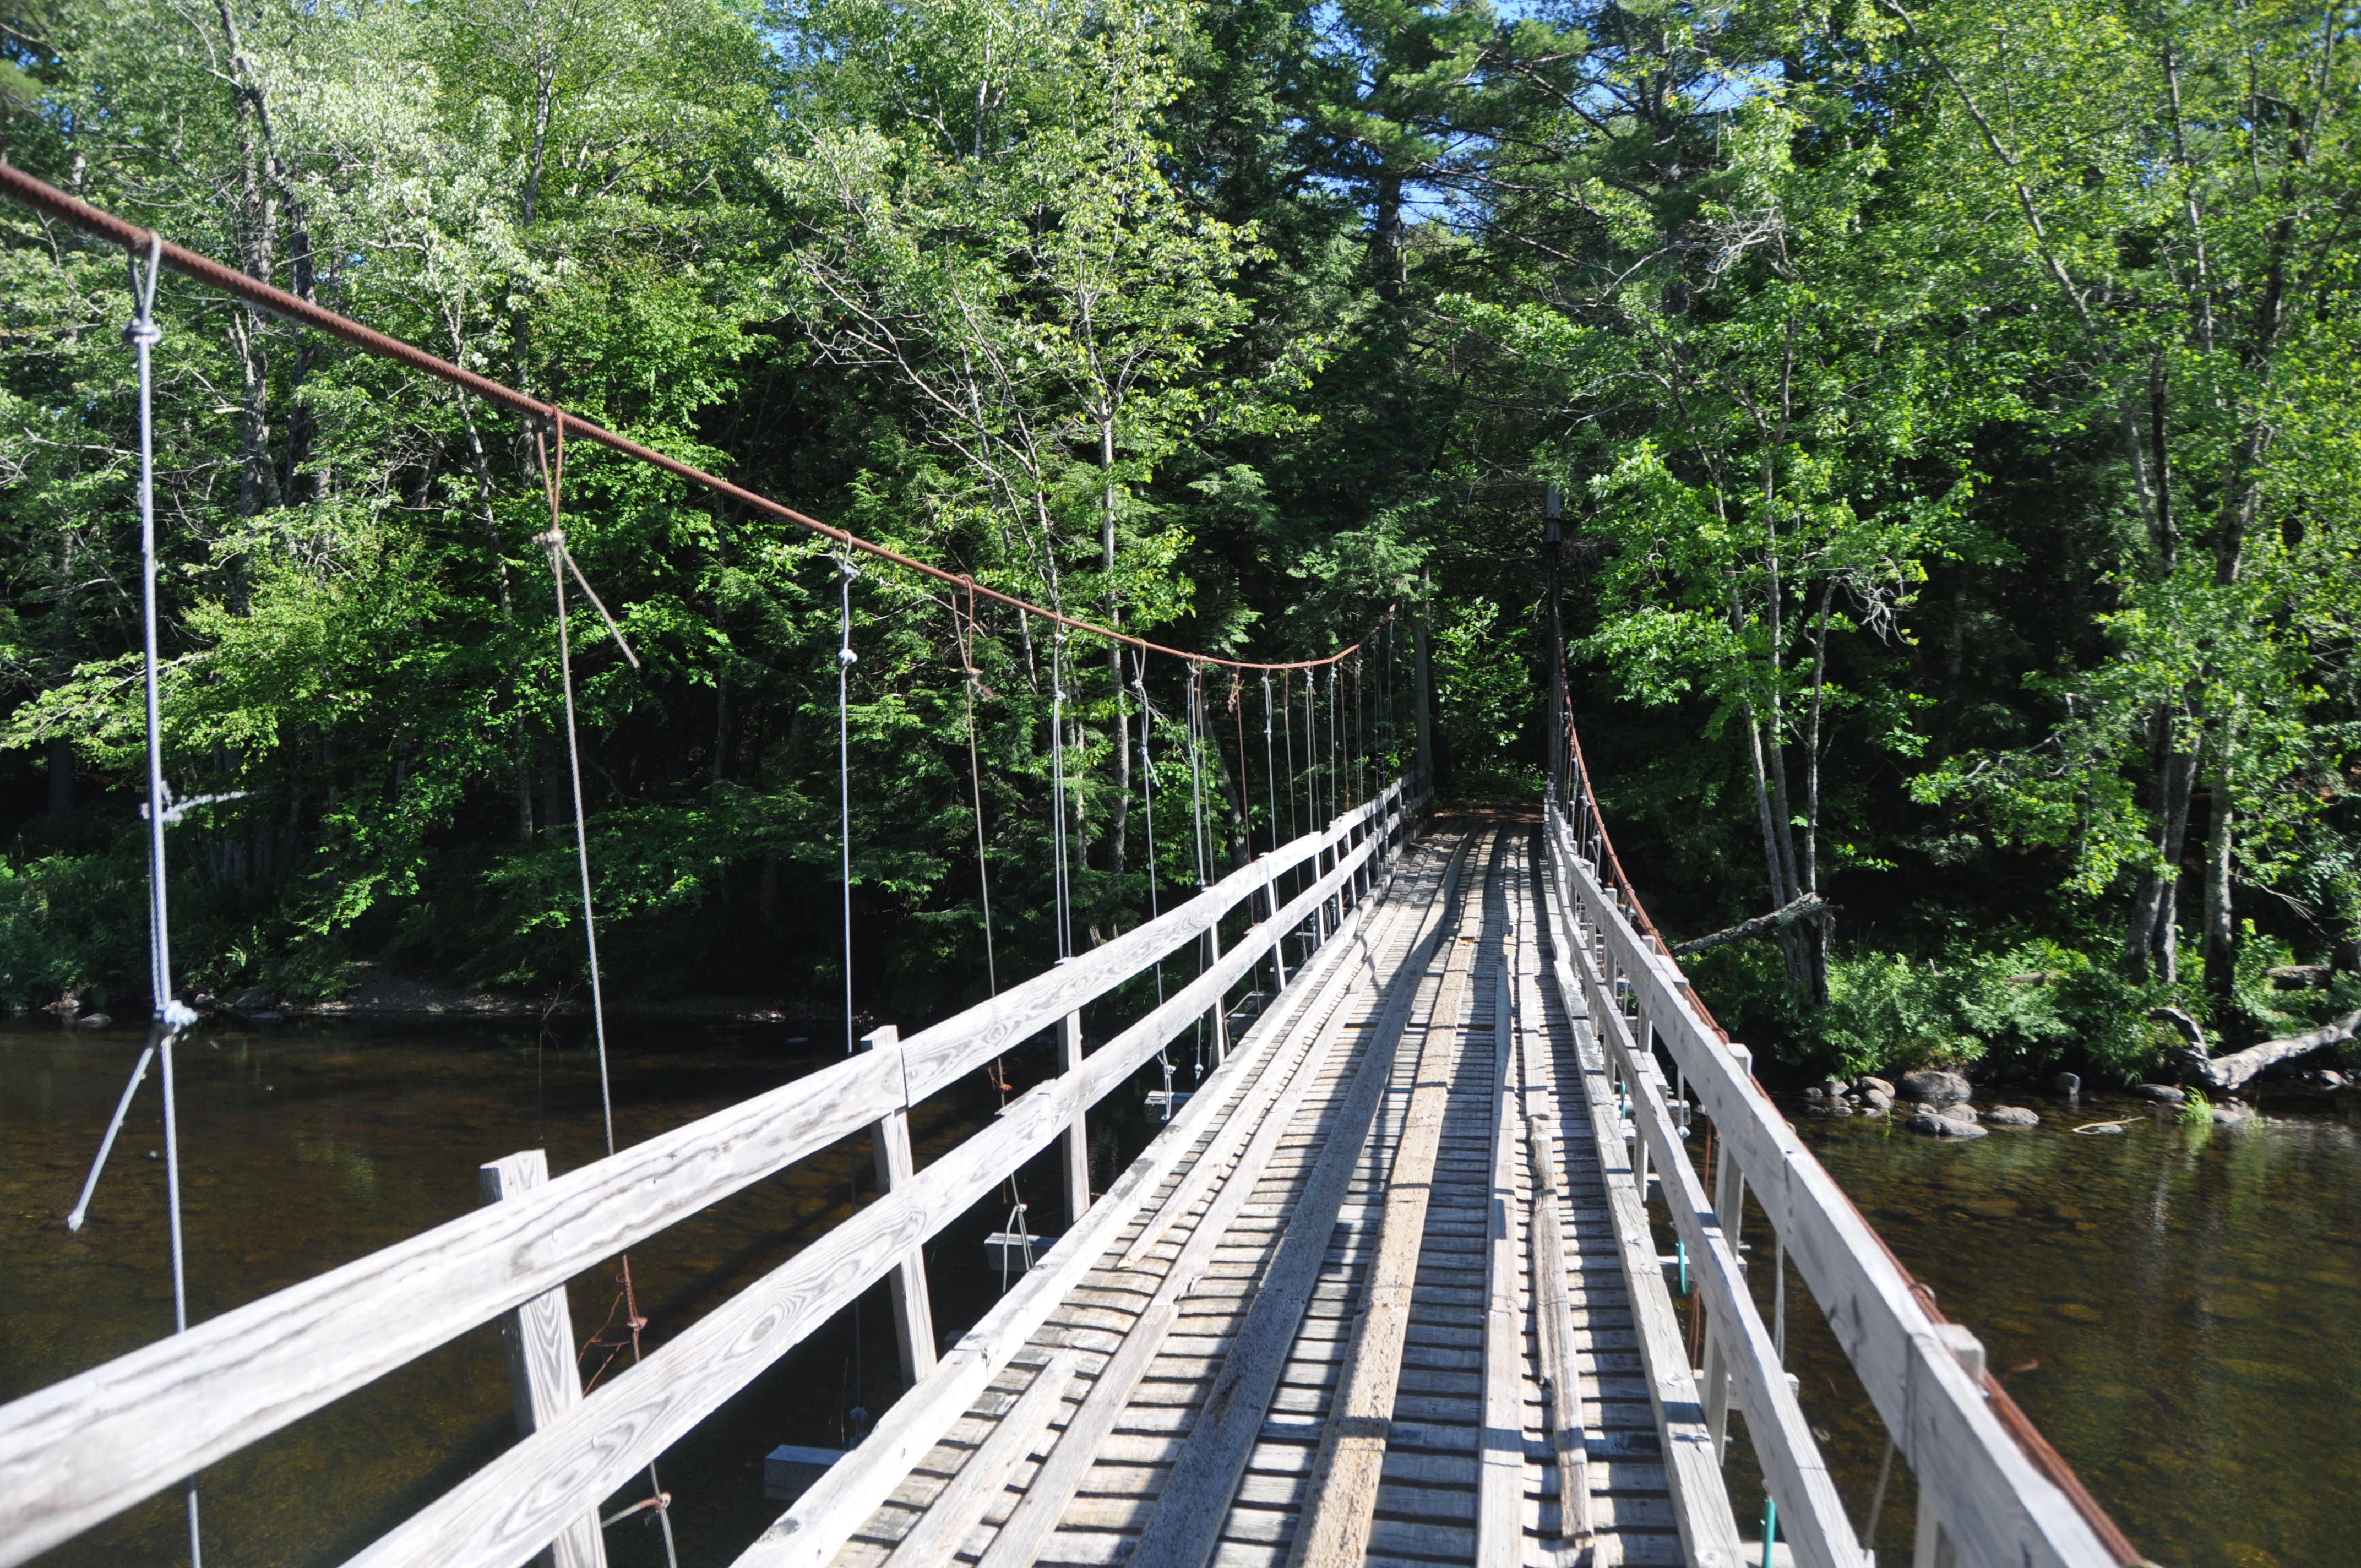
(1999, 1502)
(84, 1449)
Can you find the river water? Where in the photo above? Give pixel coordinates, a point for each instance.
(2178, 1305)
(2174, 1307)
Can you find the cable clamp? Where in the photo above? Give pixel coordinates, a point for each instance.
(146, 333)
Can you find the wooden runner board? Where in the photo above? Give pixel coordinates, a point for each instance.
(1342, 1501)
(1186, 1526)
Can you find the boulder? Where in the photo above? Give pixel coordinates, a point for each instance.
(1865, 1084)
(1816, 1092)
(2230, 1113)
(2323, 1078)
(1935, 1126)
(2162, 1093)
(1958, 1113)
(1878, 1099)
(2066, 1083)
(1818, 1108)
(93, 1021)
(2012, 1116)
(1936, 1087)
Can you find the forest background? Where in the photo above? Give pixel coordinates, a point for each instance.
(1949, 403)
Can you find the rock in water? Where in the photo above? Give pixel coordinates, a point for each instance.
(1936, 1087)
(2162, 1093)
(2230, 1113)
(1877, 1099)
(2012, 1116)
(2066, 1083)
(93, 1021)
(1941, 1126)
(1865, 1084)
(1958, 1114)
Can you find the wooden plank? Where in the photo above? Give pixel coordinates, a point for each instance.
(1500, 1513)
(2005, 1512)
(543, 1378)
(943, 1528)
(1811, 1514)
(1037, 1515)
(1341, 1500)
(1361, 950)
(914, 1313)
(1558, 1338)
(1196, 1499)
(1074, 1147)
(809, 1532)
(1708, 1529)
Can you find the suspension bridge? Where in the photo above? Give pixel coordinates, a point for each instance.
(1441, 1263)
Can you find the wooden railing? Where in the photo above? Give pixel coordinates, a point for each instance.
(84, 1450)
(1991, 1493)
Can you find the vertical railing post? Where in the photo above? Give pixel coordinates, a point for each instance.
(543, 1380)
(1075, 1141)
(914, 1314)
(1729, 1208)
(1217, 1022)
(1279, 939)
(1934, 1544)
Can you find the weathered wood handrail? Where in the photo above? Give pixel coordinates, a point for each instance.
(1997, 1506)
(1811, 1515)
(82, 1450)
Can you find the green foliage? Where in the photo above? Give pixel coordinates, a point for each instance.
(1950, 423)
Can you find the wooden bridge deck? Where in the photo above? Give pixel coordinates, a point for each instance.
(1317, 1342)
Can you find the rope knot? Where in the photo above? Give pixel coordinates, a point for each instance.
(146, 333)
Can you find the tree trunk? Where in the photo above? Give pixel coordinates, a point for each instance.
(2151, 940)
(2220, 940)
(2241, 1067)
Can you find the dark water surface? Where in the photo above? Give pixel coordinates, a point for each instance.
(2176, 1308)
(305, 1147)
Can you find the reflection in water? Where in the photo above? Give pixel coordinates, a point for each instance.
(2175, 1307)
(305, 1149)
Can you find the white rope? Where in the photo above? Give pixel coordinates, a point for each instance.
(845, 660)
(975, 783)
(170, 1018)
(1061, 893)
(561, 561)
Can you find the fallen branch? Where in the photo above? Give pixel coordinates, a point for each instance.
(1785, 915)
(2240, 1067)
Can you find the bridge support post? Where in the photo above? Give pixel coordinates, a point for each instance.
(1217, 1021)
(1075, 1141)
(914, 1313)
(543, 1380)
(1934, 1544)
(1729, 1207)
(1279, 943)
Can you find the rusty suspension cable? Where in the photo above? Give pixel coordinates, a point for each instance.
(74, 212)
